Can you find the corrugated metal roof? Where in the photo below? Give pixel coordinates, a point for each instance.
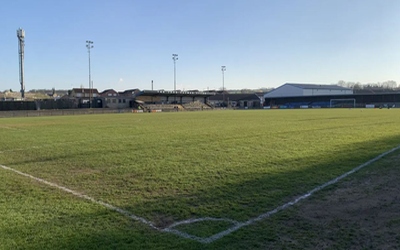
(317, 86)
(235, 97)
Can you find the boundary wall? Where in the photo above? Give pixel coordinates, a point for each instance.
(59, 112)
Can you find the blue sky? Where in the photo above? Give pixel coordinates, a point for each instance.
(262, 43)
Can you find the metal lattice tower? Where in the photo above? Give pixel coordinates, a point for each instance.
(174, 57)
(89, 45)
(21, 45)
(223, 69)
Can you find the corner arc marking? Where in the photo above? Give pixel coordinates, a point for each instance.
(190, 221)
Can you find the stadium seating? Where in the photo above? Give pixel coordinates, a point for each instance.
(195, 106)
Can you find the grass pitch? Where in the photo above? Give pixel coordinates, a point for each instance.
(168, 167)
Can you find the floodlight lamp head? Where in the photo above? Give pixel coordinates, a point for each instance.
(20, 33)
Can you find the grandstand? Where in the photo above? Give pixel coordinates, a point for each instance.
(172, 100)
(196, 106)
(162, 107)
(243, 101)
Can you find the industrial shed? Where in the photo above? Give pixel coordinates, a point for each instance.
(297, 90)
(291, 95)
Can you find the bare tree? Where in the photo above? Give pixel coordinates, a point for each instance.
(387, 85)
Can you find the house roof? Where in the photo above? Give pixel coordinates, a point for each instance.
(85, 90)
(317, 86)
(173, 93)
(129, 92)
(108, 90)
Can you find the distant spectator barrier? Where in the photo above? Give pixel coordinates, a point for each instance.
(59, 112)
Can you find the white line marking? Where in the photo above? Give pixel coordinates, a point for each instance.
(127, 138)
(184, 235)
(291, 203)
(46, 145)
(236, 225)
(11, 128)
(114, 208)
(11, 150)
(109, 206)
(190, 221)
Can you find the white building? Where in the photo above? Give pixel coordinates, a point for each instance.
(295, 89)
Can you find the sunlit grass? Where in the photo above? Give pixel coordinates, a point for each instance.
(168, 167)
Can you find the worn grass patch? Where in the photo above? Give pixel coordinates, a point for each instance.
(360, 212)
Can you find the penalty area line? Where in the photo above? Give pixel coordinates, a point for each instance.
(295, 201)
(111, 207)
(83, 196)
(116, 209)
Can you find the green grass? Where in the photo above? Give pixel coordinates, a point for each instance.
(168, 167)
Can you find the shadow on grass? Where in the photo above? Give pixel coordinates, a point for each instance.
(93, 227)
(254, 194)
